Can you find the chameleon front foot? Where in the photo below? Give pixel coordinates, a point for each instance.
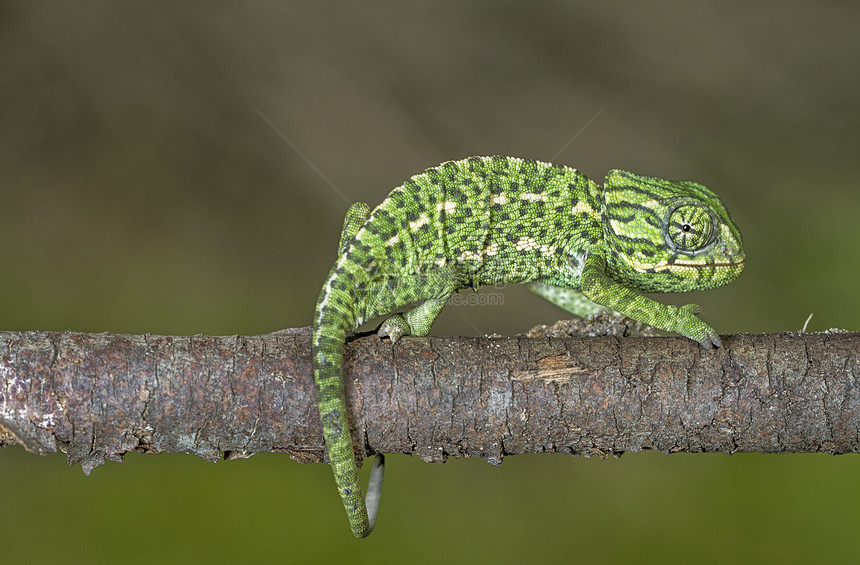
(692, 327)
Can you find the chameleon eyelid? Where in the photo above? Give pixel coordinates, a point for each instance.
(674, 205)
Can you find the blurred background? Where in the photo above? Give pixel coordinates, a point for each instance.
(182, 168)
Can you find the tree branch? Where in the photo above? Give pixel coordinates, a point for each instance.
(98, 396)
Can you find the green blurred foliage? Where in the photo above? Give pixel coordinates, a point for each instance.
(144, 189)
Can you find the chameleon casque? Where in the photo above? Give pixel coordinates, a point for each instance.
(505, 220)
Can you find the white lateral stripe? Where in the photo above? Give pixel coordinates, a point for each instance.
(533, 196)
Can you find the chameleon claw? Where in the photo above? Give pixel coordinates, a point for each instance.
(710, 341)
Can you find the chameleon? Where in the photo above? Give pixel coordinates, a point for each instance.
(505, 220)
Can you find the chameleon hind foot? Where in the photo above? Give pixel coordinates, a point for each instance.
(355, 217)
(416, 321)
(394, 328)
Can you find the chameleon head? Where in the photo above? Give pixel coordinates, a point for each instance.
(668, 236)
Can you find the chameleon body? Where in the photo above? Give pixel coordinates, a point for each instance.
(504, 220)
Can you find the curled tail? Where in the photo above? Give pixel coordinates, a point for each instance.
(334, 318)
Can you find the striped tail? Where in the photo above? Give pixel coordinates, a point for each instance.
(334, 318)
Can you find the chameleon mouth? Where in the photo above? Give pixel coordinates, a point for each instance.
(682, 265)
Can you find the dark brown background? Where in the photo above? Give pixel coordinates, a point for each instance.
(144, 188)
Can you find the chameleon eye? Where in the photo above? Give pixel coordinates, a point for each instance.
(690, 228)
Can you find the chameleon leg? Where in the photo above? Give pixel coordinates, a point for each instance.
(429, 291)
(355, 217)
(567, 298)
(416, 321)
(598, 287)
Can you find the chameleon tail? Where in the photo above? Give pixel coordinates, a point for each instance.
(330, 330)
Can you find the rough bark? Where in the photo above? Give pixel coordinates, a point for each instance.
(98, 396)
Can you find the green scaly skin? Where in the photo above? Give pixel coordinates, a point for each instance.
(504, 220)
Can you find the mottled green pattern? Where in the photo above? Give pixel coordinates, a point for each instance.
(504, 220)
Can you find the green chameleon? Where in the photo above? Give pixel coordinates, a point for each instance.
(505, 220)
